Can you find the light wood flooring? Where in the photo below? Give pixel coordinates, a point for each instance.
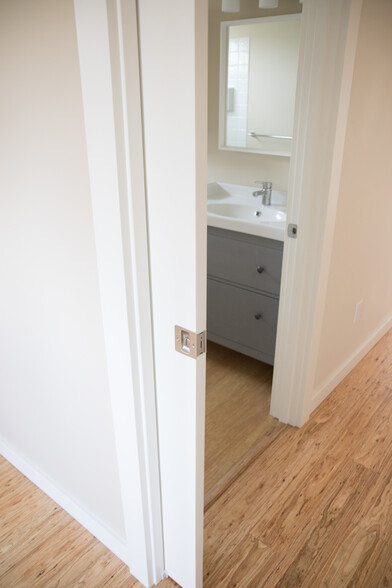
(238, 399)
(41, 546)
(313, 509)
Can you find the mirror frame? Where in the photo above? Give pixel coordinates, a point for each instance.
(224, 36)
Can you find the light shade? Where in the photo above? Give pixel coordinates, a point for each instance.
(268, 3)
(230, 5)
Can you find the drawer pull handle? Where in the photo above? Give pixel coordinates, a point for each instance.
(258, 316)
(260, 269)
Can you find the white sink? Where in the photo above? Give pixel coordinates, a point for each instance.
(253, 213)
(234, 208)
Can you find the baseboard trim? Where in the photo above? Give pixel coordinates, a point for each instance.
(89, 522)
(330, 384)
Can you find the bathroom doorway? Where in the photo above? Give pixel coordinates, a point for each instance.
(176, 271)
(238, 387)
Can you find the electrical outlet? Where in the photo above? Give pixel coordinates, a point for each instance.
(357, 310)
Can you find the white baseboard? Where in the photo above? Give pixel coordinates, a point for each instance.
(89, 522)
(346, 367)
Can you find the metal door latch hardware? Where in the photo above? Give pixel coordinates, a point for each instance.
(292, 231)
(189, 343)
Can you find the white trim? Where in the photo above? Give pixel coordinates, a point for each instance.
(107, 35)
(345, 368)
(128, 111)
(86, 519)
(327, 53)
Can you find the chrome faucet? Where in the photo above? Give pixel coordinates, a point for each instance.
(264, 192)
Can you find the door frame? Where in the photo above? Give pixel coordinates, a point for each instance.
(328, 44)
(110, 76)
(107, 37)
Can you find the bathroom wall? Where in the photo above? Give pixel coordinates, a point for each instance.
(361, 268)
(231, 166)
(55, 413)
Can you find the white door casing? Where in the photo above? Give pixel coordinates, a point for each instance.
(109, 64)
(175, 130)
(327, 51)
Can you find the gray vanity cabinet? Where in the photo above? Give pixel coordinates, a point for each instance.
(243, 284)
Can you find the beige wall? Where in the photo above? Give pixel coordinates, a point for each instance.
(55, 411)
(230, 166)
(361, 267)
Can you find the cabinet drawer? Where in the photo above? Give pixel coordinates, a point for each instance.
(233, 314)
(250, 261)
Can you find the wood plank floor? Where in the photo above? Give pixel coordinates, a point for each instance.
(313, 509)
(238, 396)
(42, 546)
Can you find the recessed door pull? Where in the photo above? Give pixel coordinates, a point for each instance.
(189, 343)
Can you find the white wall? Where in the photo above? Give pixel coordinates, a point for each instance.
(55, 414)
(230, 166)
(361, 268)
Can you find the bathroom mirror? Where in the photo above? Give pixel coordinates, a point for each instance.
(258, 77)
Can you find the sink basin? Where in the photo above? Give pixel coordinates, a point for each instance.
(234, 208)
(247, 212)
